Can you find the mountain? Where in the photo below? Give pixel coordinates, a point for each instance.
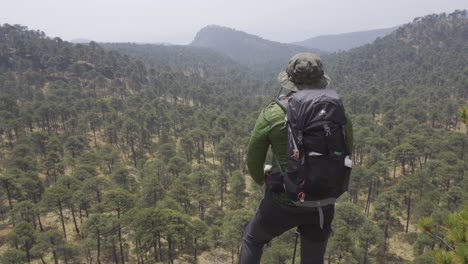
(247, 49)
(346, 41)
(430, 52)
(37, 60)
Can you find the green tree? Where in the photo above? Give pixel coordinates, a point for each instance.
(202, 190)
(178, 165)
(56, 197)
(368, 235)
(233, 226)
(148, 226)
(177, 227)
(386, 210)
(237, 190)
(404, 154)
(405, 187)
(51, 241)
(9, 183)
(23, 236)
(124, 180)
(13, 256)
(280, 251)
(28, 212)
(95, 230)
(75, 145)
(71, 184)
(341, 246)
(119, 201)
(226, 154)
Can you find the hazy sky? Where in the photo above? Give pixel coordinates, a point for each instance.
(177, 21)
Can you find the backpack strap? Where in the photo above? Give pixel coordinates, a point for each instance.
(282, 103)
(317, 204)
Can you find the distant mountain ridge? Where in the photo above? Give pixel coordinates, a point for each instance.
(246, 49)
(80, 41)
(345, 41)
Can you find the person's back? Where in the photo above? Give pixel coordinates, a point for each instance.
(277, 212)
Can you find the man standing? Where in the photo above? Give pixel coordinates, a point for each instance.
(277, 212)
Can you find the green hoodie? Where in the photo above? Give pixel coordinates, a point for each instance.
(270, 129)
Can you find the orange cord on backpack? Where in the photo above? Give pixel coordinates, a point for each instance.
(295, 153)
(301, 196)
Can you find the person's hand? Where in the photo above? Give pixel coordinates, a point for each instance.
(266, 172)
(267, 169)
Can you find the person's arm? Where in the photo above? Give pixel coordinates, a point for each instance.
(257, 149)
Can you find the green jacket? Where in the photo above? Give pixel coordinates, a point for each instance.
(270, 129)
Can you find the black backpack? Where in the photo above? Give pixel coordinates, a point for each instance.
(316, 174)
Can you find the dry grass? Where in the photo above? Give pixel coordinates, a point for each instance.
(215, 256)
(400, 247)
(5, 229)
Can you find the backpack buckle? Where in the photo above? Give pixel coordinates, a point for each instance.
(327, 130)
(299, 138)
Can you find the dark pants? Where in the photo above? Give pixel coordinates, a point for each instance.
(272, 219)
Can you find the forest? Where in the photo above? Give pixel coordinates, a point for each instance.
(127, 153)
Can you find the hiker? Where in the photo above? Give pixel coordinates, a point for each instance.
(288, 203)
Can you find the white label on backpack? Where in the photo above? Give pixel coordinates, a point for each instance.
(313, 153)
(348, 162)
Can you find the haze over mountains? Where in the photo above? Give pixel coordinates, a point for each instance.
(196, 63)
(245, 48)
(242, 45)
(217, 50)
(260, 55)
(345, 41)
(80, 41)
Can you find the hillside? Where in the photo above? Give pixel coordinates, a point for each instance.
(96, 145)
(193, 60)
(345, 41)
(428, 54)
(127, 153)
(201, 63)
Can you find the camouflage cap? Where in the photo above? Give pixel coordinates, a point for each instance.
(304, 71)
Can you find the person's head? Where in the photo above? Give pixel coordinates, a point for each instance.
(304, 71)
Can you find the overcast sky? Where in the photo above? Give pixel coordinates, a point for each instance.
(177, 21)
